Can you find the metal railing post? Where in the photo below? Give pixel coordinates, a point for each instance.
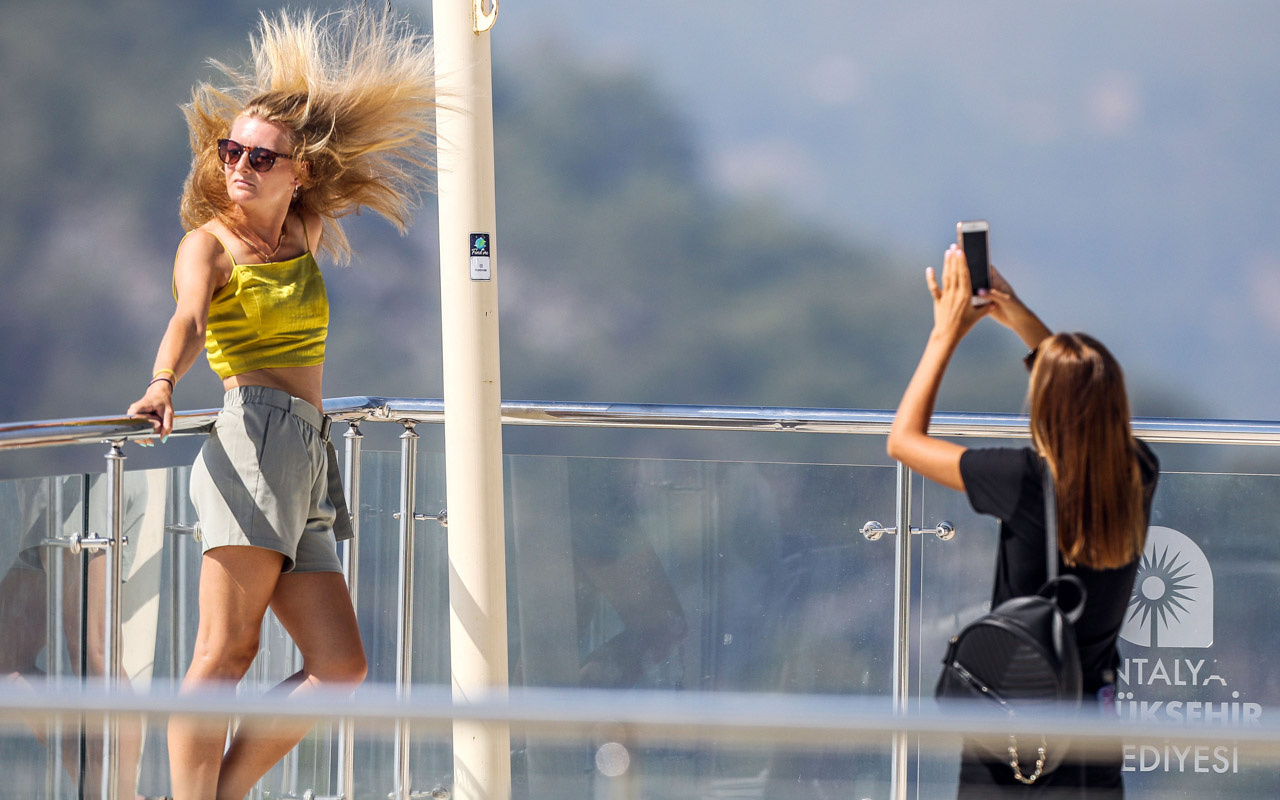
(901, 629)
(404, 609)
(112, 656)
(351, 569)
(469, 272)
(55, 640)
(179, 483)
(81, 668)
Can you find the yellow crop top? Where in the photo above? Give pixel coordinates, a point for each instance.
(268, 315)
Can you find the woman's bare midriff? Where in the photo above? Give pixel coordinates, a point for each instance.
(303, 382)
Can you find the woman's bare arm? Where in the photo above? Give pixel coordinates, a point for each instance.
(198, 272)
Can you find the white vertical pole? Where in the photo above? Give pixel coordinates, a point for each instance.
(404, 608)
(472, 392)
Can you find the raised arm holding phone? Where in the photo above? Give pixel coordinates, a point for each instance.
(1103, 477)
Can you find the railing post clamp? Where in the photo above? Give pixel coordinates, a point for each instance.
(873, 530)
(79, 543)
(442, 517)
(184, 529)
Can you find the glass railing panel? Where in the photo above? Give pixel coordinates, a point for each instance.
(52, 621)
(1202, 631)
(698, 576)
(1200, 636)
(378, 601)
(703, 576)
(51, 625)
(171, 585)
(33, 588)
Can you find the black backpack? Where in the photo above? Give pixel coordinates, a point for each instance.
(1021, 657)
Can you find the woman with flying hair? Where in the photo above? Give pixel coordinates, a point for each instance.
(333, 114)
(1104, 479)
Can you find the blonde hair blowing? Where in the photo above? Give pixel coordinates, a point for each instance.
(356, 91)
(1080, 424)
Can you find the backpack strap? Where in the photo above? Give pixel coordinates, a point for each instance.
(1050, 588)
(1050, 521)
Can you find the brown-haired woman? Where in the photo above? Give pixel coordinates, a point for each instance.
(333, 114)
(1104, 480)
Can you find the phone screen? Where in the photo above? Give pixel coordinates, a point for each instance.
(975, 252)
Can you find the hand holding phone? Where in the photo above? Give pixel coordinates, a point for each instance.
(972, 237)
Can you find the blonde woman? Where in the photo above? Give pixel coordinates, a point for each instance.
(333, 114)
(1104, 480)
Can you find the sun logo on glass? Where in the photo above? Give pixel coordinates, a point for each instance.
(1160, 591)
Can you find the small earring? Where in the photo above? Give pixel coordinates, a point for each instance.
(296, 190)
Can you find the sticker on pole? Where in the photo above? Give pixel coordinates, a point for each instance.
(480, 268)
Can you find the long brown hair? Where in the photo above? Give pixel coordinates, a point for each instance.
(356, 91)
(1080, 424)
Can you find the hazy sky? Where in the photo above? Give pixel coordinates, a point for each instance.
(1124, 153)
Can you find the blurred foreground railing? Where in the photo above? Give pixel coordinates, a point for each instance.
(723, 718)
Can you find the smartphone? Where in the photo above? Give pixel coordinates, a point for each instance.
(972, 237)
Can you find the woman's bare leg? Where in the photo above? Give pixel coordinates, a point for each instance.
(315, 608)
(236, 585)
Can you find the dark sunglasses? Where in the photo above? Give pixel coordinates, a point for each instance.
(260, 158)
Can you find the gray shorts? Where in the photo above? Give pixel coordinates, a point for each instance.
(267, 477)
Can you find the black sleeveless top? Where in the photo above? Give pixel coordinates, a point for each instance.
(1006, 483)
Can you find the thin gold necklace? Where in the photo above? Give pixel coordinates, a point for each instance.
(263, 254)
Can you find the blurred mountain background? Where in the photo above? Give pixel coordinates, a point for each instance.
(715, 202)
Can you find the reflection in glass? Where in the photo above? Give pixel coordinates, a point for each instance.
(51, 616)
(697, 576)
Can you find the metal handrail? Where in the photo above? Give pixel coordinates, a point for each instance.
(653, 416)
